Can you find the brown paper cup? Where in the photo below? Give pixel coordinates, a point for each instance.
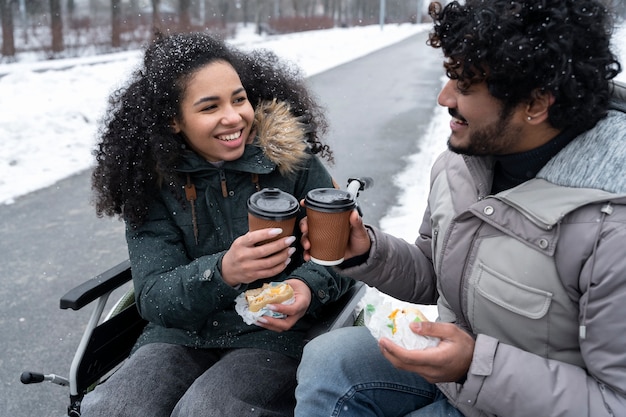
(256, 223)
(328, 212)
(272, 208)
(328, 234)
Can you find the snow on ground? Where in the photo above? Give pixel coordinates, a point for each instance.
(51, 109)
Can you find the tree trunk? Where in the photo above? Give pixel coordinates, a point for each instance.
(8, 41)
(116, 23)
(223, 8)
(156, 14)
(184, 15)
(56, 25)
(245, 11)
(261, 15)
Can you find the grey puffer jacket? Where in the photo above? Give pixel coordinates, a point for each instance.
(536, 273)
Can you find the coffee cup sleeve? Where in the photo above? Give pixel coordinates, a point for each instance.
(383, 319)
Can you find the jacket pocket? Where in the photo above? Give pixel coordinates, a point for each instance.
(511, 295)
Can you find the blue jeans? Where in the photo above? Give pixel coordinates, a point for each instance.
(343, 373)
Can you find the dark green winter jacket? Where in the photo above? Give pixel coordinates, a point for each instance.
(178, 285)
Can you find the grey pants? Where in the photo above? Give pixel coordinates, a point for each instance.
(163, 380)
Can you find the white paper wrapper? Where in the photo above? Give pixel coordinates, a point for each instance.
(241, 307)
(383, 319)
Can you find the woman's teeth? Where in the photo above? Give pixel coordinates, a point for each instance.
(228, 138)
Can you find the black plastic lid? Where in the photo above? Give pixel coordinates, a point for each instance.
(273, 204)
(329, 200)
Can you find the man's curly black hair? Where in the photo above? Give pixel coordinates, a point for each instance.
(138, 152)
(521, 48)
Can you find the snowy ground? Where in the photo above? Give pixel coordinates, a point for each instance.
(51, 109)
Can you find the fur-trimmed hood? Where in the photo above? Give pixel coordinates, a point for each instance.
(281, 136)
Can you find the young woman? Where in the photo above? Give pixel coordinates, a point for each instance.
(198, 129)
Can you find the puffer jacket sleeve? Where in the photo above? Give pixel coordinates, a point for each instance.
(538, 386)
(398, 268)
(326, 283)
(171, 289)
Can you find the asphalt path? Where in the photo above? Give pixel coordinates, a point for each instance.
(378, 107)
(51, 240)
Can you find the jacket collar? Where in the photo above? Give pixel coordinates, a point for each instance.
(595, 159)
(586, 171)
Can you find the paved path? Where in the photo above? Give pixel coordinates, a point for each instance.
(51, 240)
(378, 107)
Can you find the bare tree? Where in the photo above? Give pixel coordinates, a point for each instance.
(56, 25)
(184, 14)
(245, 8)
(223, 9)
(116, 23)
(156, 13)
(8, 41)
(261, 14)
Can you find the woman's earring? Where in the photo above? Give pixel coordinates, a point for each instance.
(529, 118)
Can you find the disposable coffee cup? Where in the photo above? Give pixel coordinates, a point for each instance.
(328, 212)
(272, 208)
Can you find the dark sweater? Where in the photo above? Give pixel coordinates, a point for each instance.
(514, 169)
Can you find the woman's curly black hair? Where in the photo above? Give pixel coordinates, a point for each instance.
(521, 48)
(138, 152)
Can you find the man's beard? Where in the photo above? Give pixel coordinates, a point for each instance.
(496, 139)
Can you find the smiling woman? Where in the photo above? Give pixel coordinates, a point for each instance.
(216, 116)
(199, 128)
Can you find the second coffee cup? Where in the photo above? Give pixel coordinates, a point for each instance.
(272, 208)
(328, 212)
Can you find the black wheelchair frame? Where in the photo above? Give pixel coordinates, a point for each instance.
(107, 341)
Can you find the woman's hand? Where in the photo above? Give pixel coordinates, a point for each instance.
(294, 311)
(245, 262)
(358, 243)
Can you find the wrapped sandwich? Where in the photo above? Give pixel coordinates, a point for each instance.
(383, 319)
(254, 302)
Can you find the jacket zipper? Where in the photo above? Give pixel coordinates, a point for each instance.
(444, 245)
(463, 278)
(227, 203)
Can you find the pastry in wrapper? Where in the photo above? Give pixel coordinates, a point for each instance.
(274, 293)
(257, 299)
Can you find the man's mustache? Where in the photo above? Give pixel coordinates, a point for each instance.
(454, 113)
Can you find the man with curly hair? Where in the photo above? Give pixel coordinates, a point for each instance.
(522, 243)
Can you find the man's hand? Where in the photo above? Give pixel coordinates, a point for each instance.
(358, 243)
(449, 361)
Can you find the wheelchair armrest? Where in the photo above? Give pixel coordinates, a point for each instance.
(618, 96)
(88, 291)
(340, 313)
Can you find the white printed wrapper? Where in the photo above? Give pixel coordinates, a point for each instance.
(385, 320)
(241, 306)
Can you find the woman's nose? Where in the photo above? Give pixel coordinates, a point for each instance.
(230, 116)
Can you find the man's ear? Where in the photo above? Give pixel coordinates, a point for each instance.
(539, 104)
